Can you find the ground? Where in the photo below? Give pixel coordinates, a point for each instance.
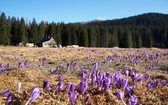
(36, 72)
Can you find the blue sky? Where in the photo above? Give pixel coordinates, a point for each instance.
(80, 10)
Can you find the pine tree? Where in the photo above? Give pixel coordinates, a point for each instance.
(58, 34)
(128, 39)
(92, 36)
(9, 24)
(114, 38)
(34, 32)
(138, 39)
(14, 31)
(22, 31)
(74, 38)
(3, 30)
(41, 30)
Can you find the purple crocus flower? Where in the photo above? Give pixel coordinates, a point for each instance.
(21, 64)
(19, 86)
(138, 77)
(8, 65)
(83, 75)
(72, 97)
(35, 92)
(93, 79)
(120, 95)
(83, 87)
(147, 76)
(60, 78)
(26, 63)
(129, 89)
(124, 83)
(157, 82)
(163, 82)
(8, 98)
(59, 86)
(106, 84)
(53, 71)
(5, 92)
(126, 72)
(70, 87)
(46, 85)
(133, 100)
(150, 84)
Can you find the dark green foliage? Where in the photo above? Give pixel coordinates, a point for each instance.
(146, 30)
(3, 30)
(22, 31)
(92, 36)
(138, 39)
(83, 37)
(34, 36)
(41, 31)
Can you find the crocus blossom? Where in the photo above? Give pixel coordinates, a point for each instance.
(124, 83)
(5, 92)
(120, 95)
(46, 85)
(72, 97)
(60, 78)
(129, 89)
(59, 86)
(35, 92)
(133, 100)
(83, 87)
(9, 97)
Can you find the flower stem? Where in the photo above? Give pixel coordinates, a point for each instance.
(123, 102)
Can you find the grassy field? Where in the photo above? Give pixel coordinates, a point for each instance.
(120, 60)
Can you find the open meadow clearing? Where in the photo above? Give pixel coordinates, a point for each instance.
(83, 76)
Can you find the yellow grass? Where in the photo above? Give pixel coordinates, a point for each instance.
(34, 75)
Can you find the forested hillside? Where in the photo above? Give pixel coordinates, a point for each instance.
(146, 30)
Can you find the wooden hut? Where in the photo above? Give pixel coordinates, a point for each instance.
(47, 42)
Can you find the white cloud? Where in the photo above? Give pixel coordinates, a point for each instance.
(101, 18)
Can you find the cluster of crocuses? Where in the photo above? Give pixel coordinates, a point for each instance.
(34, 94)
(22, 64)
(2, 68)
(7, 93)
(71, 65)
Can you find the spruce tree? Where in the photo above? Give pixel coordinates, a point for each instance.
(138, 39)
(34, 32)
(3, 30)
(41, 30)
(22, 31)
(92, 36)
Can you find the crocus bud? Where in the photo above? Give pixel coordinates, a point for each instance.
(59, 86)
(72, 96)
(124, 83)
(19, 86)
(132, 100)
(60, 78)
(83, 88)
(120, 95)
(46, 85)
(5, 92)
(35, 92)
(8, 98)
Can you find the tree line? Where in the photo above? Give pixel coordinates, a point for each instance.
(14, 30)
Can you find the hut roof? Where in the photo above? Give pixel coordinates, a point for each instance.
(49, 40)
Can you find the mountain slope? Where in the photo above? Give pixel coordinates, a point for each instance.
(148, 19)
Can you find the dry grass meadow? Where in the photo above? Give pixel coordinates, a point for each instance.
(34, 75)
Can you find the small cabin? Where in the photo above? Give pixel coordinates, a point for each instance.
(47, 42)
